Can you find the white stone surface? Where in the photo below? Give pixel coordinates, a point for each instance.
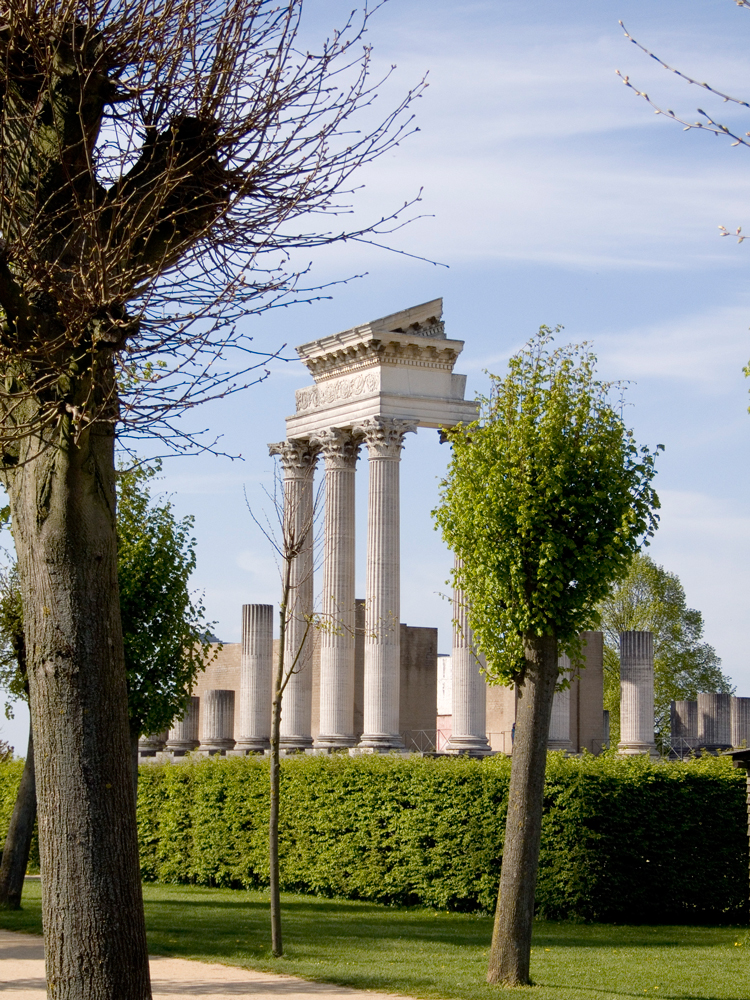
(298, 458)
(339, 449)
(384, 439)
(217, 724)
(636, 694)
(398, 367)
(469, 688)
(183, 736)
(256, 672)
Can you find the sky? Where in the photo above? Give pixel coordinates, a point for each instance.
(551, 194)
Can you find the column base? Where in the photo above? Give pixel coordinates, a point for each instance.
(180, 747)
(334, 742)
(295, 744)
(253, 744)
(214, 747)
(556, 745)
(472, 746)
(380, 742)
(635, 748)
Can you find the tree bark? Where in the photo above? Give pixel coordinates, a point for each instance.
(18, 839)
(510, 952)
(63, 509)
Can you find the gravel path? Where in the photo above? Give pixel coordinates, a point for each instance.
(22, 976)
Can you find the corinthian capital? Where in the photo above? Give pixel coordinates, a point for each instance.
(384, 436)
(339, 447)
(298, 456)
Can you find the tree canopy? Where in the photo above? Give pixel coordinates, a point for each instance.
(547, 497)
(651, 599)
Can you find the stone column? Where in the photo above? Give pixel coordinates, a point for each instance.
(714, 721)
(298, 460)
(149, 746)
(468, 686)
(340, 449)
(740, 722)
(559, 726)
(683, 717)
(217, 734)
(636, 694)
(256, 669)
(183, 736)
(385, 439)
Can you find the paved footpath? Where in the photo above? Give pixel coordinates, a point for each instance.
(22, 978)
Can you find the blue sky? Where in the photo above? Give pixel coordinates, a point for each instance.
(555, 195)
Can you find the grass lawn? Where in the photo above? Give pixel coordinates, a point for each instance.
(427, 954)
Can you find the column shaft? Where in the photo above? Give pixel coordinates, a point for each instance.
(714, 721)
(256, 667)
(382, 618)
(636, 693)
(183, 736)
(339, 449)
(559, 727)
(217, 727)
(298, 462)
(468, 686)
(740, 722)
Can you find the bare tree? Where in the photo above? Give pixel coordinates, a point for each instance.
(161, 163)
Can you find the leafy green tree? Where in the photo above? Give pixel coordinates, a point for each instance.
(165, 636)
(650, 599)
(547, 497)
(167, 640)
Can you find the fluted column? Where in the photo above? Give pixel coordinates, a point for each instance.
(340, 449)
(637, 693)
(183, 736)
(256, 667)
(683, 718)
(217, 727)
(298, 460)
(559, 726)
(740, 722)
(384, 439)
(468, 686)
(714, 721)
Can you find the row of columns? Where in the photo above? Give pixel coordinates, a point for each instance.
(384, 439)
(713, 721)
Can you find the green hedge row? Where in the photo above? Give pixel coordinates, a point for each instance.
(623, 839)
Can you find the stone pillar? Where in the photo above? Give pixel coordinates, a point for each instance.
(385, 439)
(298, 460)
(149, 746)
(340, 449)
(636, 694)
(559, 726)
(183, 736)
(683, 717)
(740, 722)
(217, 734)
(468, 687)
(256, 670)
(714, 721)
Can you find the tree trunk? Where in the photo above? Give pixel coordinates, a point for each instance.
(277, 948)
(510, 953)
(18, 839)
(63, 509)
(134, 766)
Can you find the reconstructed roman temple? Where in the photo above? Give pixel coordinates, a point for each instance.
(364, 681)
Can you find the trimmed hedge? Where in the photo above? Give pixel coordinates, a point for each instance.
(623, 839)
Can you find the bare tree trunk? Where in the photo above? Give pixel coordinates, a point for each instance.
(63, 509)
(18, 839)
(510, 953)
(277, 948)
(134, 766)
